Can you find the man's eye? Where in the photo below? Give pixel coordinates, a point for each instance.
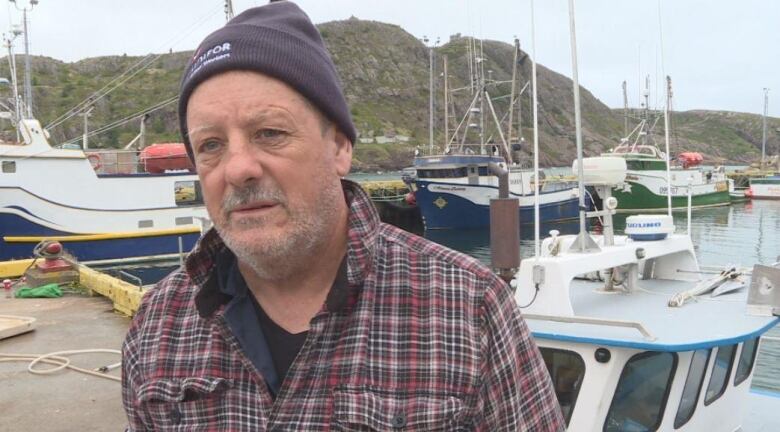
(209, 146)
(270, 133)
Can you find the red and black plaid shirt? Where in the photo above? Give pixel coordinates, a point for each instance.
(425, 339)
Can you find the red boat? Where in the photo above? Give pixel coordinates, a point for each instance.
(161, 157)
(690, 159)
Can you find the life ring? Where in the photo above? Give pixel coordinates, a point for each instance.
(94, 160)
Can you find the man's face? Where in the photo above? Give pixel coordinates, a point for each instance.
(269, 166)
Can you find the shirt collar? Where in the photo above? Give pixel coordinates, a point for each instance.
(202, 264)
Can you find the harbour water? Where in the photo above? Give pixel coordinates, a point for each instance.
(742, 235)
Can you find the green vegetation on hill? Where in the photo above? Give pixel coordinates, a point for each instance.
(384, 71)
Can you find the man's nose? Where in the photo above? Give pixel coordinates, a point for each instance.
(242, 166)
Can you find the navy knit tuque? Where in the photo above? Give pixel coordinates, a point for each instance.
(278, 40)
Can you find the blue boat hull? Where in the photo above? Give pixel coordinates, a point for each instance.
(92, 250)
(460, 213)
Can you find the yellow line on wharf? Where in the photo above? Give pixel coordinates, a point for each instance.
(125, 296)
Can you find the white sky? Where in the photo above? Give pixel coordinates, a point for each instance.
(720, 53)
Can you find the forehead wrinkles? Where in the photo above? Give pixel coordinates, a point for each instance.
(274, 114)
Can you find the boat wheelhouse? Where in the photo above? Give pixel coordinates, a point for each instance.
(645, 189)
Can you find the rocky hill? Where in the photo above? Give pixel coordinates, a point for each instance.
(385, 75)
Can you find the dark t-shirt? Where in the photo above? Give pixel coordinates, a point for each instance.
(283, 345)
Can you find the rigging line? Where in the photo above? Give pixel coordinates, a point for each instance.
(116, 124)
(99, 94)
(661, 38)
(149, 59)
(134, 116)
(125, 120)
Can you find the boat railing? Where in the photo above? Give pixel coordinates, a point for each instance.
(115, 161)
(593, 321)
(122, 162)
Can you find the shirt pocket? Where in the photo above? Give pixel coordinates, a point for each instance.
(371, 411)
(184, 404)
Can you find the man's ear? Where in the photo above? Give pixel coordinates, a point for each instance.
(343, 156)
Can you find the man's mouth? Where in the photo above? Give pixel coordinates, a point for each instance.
(253, 209)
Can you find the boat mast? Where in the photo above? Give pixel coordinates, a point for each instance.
(536, 136)
(27, 68)
(430, 95)
(666, 134)
(14, 84)
(481, 81)
(646, 96)
(625, 110)
(514, 89)
(446, 104)
(763, 135)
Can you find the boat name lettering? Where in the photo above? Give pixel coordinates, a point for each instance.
(644, 225)
(447, 188)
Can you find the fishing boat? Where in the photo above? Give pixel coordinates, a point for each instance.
(101, 205)
(764, 187)
(645, 188)
(626, 326)
(454, 192)
(453, 189)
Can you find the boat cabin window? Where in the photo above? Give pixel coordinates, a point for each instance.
(693, 384)
(558, 186)
(187, 193)
(746, 360)
(641, 393)
(450, 172)
(9, 167)
(720, 373)
(185, 220)
(567, 369)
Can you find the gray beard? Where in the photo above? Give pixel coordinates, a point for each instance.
(282, 258)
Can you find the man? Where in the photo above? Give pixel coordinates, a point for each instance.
(301, 310)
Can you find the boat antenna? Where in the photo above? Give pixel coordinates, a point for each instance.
(536, 135)
(763, 135)
(666, 134)
(581, 240)
(228, 10)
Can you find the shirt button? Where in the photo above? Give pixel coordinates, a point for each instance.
(176, 415)
(399, 420)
